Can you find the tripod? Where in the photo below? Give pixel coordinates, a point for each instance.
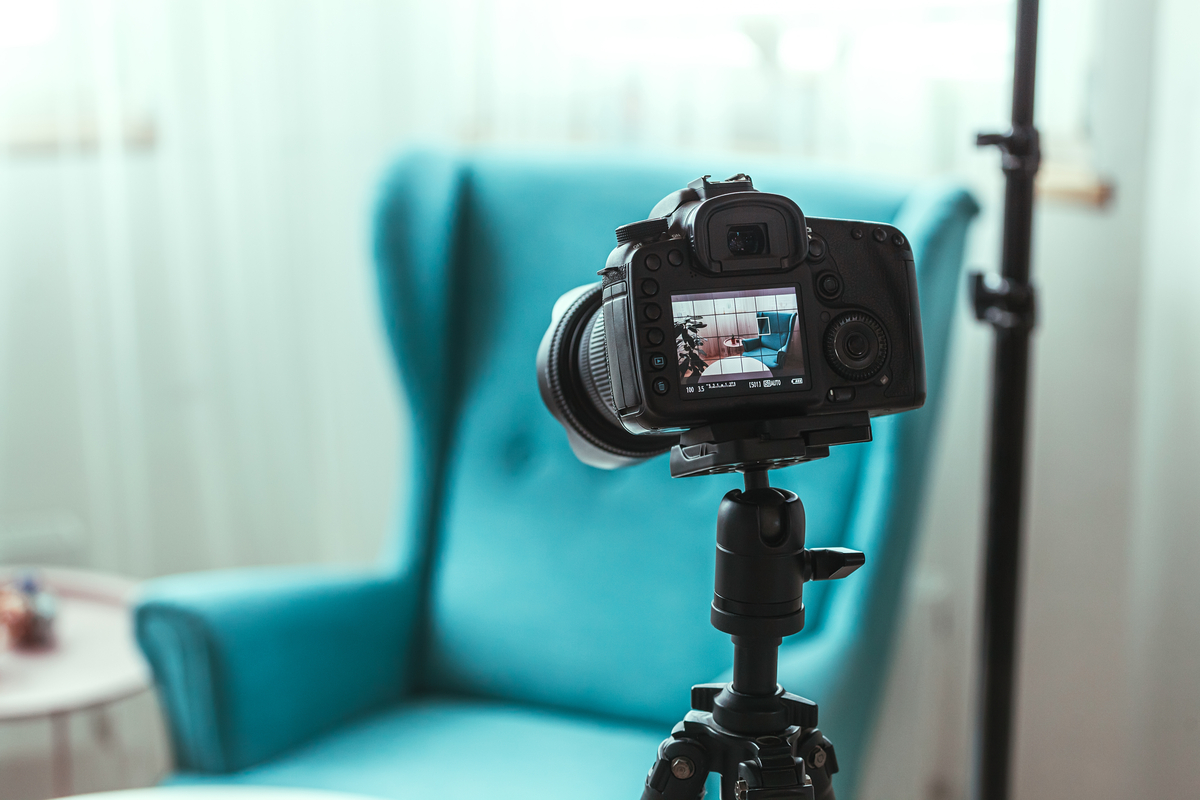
(762, 740)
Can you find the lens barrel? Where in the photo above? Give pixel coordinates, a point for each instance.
(573, 378)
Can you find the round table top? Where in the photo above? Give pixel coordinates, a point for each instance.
(94, 659)
(222, 792)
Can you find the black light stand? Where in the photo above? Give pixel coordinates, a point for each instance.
(1008, 304)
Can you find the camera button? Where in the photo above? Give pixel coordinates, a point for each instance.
(841, 394)
(653, 262)
(816, 248)
(880, 234)
(829, 286)
(652, 311)
(660, 385)
(649, 287)
(654, 336)
(675, 257)
(658, 361)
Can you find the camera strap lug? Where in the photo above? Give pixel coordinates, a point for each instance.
(1005, 303)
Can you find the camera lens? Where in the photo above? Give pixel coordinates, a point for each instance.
(746, 240)
(575, 384)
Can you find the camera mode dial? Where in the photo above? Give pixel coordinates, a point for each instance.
(856, 346)
(643, 231)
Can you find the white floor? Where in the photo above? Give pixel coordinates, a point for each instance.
(734, 365)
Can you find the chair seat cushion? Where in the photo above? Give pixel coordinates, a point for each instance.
(454, 749)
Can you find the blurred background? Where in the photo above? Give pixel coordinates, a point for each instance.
(193, 374)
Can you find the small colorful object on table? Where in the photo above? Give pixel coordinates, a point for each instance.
(87, 684)
(27, 612)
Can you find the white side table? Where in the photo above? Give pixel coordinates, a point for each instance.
(221, 793)
(93, 664)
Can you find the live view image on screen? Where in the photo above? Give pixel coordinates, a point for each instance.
(741, 342)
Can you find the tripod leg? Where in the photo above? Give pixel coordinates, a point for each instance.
(817, 753)
(679, 772)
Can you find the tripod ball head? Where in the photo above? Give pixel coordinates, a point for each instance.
(760, 550)
(762, 563)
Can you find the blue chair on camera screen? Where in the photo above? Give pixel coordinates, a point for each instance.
(774, 333)
(535, 625)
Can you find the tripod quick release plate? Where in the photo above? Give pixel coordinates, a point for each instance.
(764, 444)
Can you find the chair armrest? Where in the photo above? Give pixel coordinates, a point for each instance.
(252, 662)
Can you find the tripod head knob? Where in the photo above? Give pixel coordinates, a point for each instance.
(831, 563)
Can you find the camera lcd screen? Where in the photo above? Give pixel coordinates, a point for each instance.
(738, 343)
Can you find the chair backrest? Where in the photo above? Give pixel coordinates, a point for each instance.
(778, 328)
(552, 582)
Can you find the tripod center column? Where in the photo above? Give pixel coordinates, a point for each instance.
(755, 665)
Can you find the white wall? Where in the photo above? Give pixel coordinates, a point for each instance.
(1163, 646)
(1110, 656)
(1072, 678)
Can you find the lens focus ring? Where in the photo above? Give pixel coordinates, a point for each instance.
(856, 346)
(573, 378)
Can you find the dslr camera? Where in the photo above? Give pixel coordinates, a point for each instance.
(731, 329)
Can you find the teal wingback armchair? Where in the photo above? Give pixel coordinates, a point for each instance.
(535, 624)
(775, 334)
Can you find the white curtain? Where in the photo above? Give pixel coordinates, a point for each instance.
(192, 369)
(191, 366)
(1164, 648)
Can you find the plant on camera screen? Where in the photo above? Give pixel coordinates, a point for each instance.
(691, 345)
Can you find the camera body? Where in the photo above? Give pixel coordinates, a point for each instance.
(729, 304)
(728, 307)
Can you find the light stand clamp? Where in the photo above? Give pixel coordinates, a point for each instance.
(1020, 148)
(1004, 302)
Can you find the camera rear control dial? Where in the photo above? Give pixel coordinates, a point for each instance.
(856, 346)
